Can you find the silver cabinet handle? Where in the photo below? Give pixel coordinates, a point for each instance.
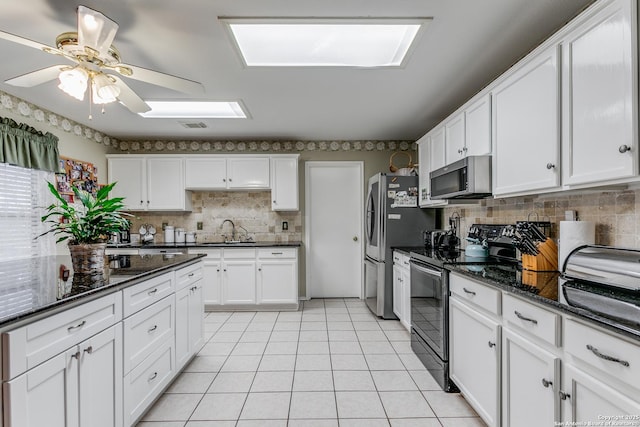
(192, 274)
(76, 355)
(526, 319)
(224, 180)
(546, 383)
(624, 148)
(605, 357)
(152, 328)
(550, 166)
(563, 395)
(153, 291)
(355, 238)
(274, 202)
(468, 291)
(491, 344)
(79, 325)
(276, 253)
(89, 349)
(153, 376)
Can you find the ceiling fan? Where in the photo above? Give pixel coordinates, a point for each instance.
(96, 65)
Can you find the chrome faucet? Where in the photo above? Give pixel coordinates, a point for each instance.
(233, 229)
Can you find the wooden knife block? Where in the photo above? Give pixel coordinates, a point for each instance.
(546, 260)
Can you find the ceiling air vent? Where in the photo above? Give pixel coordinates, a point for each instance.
(193, 125)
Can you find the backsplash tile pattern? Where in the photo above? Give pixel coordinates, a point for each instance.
(616, 213)
(251, 210)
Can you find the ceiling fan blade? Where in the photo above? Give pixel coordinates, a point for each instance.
(95, 30)
(160, 79)
(35, 78)
(129, 98)
(26, 42)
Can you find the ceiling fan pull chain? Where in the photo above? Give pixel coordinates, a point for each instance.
(90, 98)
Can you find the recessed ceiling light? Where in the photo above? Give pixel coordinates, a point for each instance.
(194, 109)
(313, 42)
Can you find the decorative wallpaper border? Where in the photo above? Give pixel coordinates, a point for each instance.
(26, 109)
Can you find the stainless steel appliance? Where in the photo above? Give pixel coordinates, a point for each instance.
(392, 218)
(430, 296)
(468, 178)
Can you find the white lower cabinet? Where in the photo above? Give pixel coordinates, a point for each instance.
(189, 321)
(402, 289)
(79, 387)
(530, 381)
(475, 359)
(277, 280)
(239, 277)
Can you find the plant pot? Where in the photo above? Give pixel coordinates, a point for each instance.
(88, 258)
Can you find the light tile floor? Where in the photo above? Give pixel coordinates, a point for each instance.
(330, 364)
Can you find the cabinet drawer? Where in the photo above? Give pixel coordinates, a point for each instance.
(143, 384)
(146, 293)
(531, 318)
(209, 252)
(32, 344)
(272, 253)
(188, 275)
(146, 330)
(615, 356)
(239, 253)
(476, 293)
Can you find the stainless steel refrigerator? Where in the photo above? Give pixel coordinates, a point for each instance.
(392, 219)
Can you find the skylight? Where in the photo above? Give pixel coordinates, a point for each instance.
(307, 42)
(195, 109)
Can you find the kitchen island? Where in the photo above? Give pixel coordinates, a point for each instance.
(96, 350)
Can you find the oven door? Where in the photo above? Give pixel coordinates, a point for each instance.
(429, 309)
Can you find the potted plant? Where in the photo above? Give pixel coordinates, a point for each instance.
(86, 225)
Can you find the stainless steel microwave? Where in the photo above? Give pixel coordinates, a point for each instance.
(468, 178)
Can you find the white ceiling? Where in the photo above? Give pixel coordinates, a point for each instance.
(469, 43)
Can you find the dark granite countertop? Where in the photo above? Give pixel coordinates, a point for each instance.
(34, 286)
(407, 249)
(542, 288)
(205, 245)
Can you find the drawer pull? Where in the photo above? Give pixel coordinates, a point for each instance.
(79, 325)
(546, 383)
(153, 376)
(89, 349)
(276, 253)
(491, 344)
(526, 319)
(76, 355)
(192, 274)
(468, 291)
(193, 289)
(152, 329)
(563, 395)
(152, 291)
(605, 357)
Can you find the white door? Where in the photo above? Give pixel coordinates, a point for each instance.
(334, 210)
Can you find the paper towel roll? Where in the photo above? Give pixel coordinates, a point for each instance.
(572, 235)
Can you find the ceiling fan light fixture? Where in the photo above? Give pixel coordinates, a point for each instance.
(73, 82)
(95, 31)
(104, 89)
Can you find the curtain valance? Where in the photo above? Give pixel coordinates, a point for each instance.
(24, 146)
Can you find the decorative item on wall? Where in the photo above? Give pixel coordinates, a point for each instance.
(78, 174)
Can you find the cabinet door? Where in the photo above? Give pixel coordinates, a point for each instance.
(423, 169)
(437, 149)
(284, 184)
(248, 172)
(586, 399)
(526, 127)
(529, 383)
(100, 385)
(165, 183)
(599, 105)
(239, 282)
(478, 127)
(46, 395)
(130, 175)
(474, 357)
(196, 317)
(455, 138)
(277, 282)
(397, 292)
(209, 173)
(212, 276)
(406, 299)
(182, 328)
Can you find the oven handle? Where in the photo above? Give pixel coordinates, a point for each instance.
(422, 268)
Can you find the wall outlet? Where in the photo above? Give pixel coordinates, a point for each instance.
(285, 225)
(164, 225)
(199, 225)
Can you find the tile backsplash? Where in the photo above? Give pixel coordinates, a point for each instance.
(251, 210)
(616, 213)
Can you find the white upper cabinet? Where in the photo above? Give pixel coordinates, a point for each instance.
(149, 183)
(437, 150)
(477, 124)
(248, 172)
(205, 173)
(526, 126)
(600, 96)
(424, 169)
(284, 183)
(455, 138)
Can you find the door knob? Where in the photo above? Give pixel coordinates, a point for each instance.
(355, 238)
